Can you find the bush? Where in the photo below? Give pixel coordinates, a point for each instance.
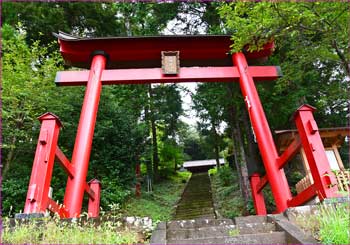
(226, 176)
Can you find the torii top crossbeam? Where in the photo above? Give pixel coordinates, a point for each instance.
(134, 60)
(144, 52)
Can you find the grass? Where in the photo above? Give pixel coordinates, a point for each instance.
(52, 231)
(330, 225)
(159, 204)
(226, 192)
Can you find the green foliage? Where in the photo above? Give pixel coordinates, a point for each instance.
(28, 91)
(209, 106)
(226, 192)
(113, 192)
(55, 232)
(334, 224)
(13, 195)
(226, 176)
(311, 43)
(158, 204)
(269, 200)
(40, 19)
(194, 146)
(171, 155)
(329, 225)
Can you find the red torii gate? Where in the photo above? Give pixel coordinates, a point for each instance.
(132, 60)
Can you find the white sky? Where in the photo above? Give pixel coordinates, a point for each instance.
(190, 117)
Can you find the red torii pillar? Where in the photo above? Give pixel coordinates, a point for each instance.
(74, 194)
(276, 177)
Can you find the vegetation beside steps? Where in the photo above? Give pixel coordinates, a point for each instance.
(226, 193)
(328, 223)
(157, 205)
(53, 231)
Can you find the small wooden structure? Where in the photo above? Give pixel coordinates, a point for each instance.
(201, 165)
(332, 139)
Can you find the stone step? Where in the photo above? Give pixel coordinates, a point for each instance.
(197, 223)
(199, 216)
(196, 201)
(183, 216)
(251, 228)
(250, 219)
(191, 207)
(198, 233)
(219, 231)
(194, 210)
(193, 215)
(195, 198)
(260, 238)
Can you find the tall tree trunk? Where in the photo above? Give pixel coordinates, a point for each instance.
(240, 159)
(216, 145)
(148, 161)
(155, 157)
(175, 165)
(11, 153)
(9, 157)
(252, 153)
(243, 165)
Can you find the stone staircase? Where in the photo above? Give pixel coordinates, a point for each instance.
(194, 223)
(271, 229)
(196, 201)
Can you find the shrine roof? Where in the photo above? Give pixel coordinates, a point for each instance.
(145, 51)
(329, 136)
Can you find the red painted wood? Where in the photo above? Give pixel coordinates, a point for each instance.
(39, 184)
(64, 162)
(263, 182)
(81, 154)
(289, 153)
(276, 176)
(155, 75)
(133, 52)
(302, 197)
(57, 208)
(258, 197)
(94, 203)
(325, 181)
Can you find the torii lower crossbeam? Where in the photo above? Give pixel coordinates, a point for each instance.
(155, 75)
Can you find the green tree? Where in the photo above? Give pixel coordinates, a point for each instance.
(27, 92)
(165, 108)
(40, 19)
(311, 47)
(210, 110)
